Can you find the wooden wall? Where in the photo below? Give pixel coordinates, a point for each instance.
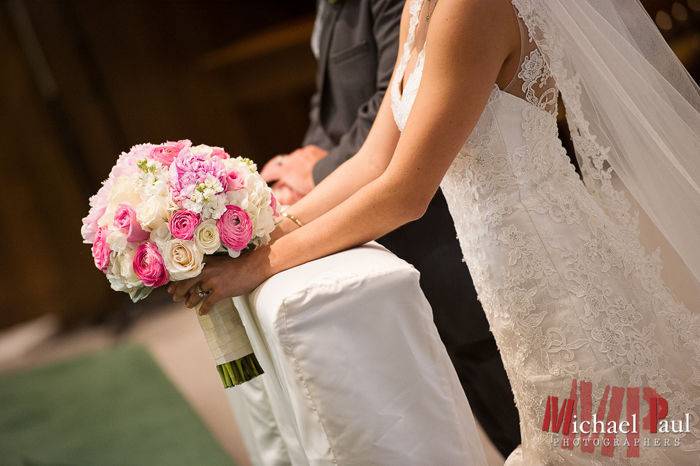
(82, 80)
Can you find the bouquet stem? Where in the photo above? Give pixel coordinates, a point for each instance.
(239, 371)
(229, 344)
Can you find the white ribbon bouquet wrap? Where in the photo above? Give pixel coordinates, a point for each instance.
(163, 209)
(229, 344)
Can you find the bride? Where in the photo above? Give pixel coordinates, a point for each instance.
(565, 277)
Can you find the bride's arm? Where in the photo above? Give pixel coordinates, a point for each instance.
(468, 42)
(366, 165)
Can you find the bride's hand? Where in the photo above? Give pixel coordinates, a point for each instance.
(222, 277)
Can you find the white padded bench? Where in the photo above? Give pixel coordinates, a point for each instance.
(355, 372)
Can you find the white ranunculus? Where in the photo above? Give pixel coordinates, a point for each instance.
(117, 241)
(153, 212)
(183, 259)
(161, 235)
(206, 237)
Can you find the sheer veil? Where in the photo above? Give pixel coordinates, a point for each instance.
(634, 115)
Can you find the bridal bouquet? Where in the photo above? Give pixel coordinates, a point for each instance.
(158, 215)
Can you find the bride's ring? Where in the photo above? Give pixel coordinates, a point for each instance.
(200, 292)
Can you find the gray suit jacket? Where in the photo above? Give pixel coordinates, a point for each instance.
(357, 50)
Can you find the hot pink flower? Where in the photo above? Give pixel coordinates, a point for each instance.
(183, 223)
(220, 153)
(149, 266)
(101, 250)
(166, 153)
(125, 221)
(235, 228)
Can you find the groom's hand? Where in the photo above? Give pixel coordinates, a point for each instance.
(293, 173)
(285, 195)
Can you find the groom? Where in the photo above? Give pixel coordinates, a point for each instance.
(355, 43)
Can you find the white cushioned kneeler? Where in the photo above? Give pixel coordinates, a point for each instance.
(355, 371)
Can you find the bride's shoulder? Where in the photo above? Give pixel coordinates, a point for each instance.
(478, 9)
(490, 22)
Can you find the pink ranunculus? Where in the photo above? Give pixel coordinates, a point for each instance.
(274, 205)
(149, 265)
(220, 153)
(101, 250)
(125, 221)
(183, 223)
(235, 228)
(234, 181)
(166, 153)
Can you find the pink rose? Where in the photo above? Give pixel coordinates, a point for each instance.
(149, 265)
(235, 228)
(101, 250)
(183, 223)
(125, 221)
(166, 153)
(234, 181)
(273, 205)
(220, 153)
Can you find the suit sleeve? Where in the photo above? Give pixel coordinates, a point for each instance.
(314, 133)
(387, 22)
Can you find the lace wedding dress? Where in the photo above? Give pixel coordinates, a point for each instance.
(569, 291)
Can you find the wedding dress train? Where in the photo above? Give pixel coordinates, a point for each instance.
(569, 291)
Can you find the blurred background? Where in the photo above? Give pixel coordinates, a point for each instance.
(82, 80)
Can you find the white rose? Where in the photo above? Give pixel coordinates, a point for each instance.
(206, 237)
(183, 259)
(153, 212)
(121, 273)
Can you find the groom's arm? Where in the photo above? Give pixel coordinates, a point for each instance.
(386, 26)
(315, 134)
